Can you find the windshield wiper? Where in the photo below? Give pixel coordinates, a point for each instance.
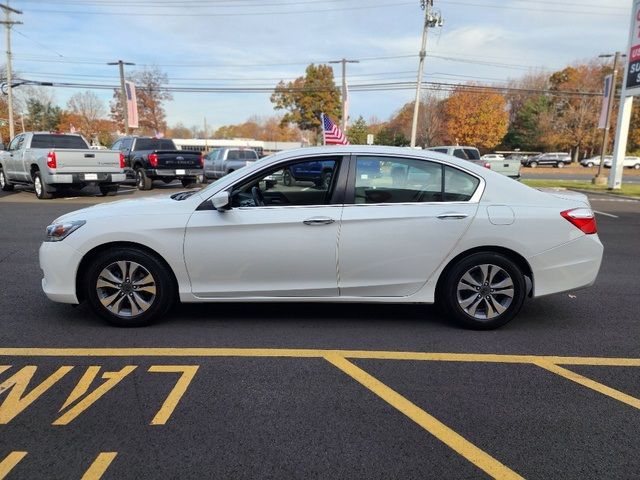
(182, 195)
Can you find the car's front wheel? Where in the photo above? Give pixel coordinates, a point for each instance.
(533, 164)
(483, 291)
(128, 287)
(560, 164)
(5, 186)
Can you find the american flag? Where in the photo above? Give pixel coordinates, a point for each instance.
(332, 134)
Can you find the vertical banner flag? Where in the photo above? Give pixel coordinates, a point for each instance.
(633, 73)
(608, 91)
(132, 104)
(331, 133)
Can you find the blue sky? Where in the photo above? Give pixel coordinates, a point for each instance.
(258, 42)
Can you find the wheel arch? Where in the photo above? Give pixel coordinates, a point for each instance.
(514, 256)
(86, 260)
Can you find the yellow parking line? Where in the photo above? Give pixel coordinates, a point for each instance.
(314, 353)
(99, 466)
(431, 424)
(9, 462)
(592, 384)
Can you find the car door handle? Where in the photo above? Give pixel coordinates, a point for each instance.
(452, 216)
(318, 221)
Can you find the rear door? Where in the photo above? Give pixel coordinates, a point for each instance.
(399, 226)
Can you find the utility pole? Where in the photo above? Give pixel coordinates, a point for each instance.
(600, 179)
(430, 21)
(123, 93)
(8, 23)
(344, 61)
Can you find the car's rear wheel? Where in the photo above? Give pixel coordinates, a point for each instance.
(40, 187)
(287, 178)
(590, 164)
(142, 181)
(637, 166)
(560, 164)
(483, 291)
(128, 287)
(5, 186)
(533, 164)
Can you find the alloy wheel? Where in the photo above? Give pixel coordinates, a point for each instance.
(37, 185)
(2, 180)
(485, 291)
(126, 288)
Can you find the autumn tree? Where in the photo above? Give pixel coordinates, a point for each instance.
(88, 109)
(306, 98)
(475, 117)
(357, 132)
(179, 131)
(151, 95)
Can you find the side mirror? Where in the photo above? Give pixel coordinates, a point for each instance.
(221, 201)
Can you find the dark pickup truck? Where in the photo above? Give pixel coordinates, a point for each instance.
(150, 159)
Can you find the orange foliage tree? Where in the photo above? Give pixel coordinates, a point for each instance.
(476, 118)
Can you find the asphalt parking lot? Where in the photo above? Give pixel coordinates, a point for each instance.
(255, 391)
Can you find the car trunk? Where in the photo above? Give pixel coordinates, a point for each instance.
(177, 159)
(95, 161)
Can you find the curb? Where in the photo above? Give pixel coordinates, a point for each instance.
(605, 194)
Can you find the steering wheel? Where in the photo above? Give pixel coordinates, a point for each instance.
(258, 198)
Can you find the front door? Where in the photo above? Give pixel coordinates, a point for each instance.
(276, 240)
(400, 224)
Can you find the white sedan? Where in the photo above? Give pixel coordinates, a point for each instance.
(358, 224)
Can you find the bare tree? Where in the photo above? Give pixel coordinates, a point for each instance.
(89, 109)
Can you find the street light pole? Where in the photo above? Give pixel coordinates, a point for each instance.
(8, 23)
(430, 21)
(344, 61)
(600, 179)
(123, 93)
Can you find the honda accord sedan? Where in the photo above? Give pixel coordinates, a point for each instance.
(420, 227)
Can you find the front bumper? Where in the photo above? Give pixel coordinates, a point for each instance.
(84, 178)
(59, 263)
(571, 266)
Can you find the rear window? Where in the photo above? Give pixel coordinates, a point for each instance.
(58, 141)
(249, 154)
(439, 150)
(155, 144)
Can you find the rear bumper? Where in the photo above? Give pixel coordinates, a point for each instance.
(177, 173)
(59, 264)
(571, 266)
(83, 178)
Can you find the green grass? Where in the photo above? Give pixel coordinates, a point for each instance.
(632, 190)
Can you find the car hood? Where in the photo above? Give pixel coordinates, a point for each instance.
(155, 205)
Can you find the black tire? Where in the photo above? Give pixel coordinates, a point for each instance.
(189, 183)
(287, 178)
(5, 186)
(142, 181)
(108, 190)
(533, 164)
(159, 302)
(453, 298)
(40, 187)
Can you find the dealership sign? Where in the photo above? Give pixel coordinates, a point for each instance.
(633, 72)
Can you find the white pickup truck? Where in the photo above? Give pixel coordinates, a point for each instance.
(51, 161)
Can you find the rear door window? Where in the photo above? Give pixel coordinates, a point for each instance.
(458, 185)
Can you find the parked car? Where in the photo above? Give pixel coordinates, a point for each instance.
(222, 161)
(445, 231)
(554, 159)
(496, 162)
(148, 159)
(594, 161)
(628, 162)
(53, 161)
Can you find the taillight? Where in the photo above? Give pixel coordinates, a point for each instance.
(153, 159)
(487, 165)
(51, 160)
(122, 165)
(202, 160)
(582, 218)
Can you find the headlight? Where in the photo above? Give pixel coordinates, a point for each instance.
(60, 231)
